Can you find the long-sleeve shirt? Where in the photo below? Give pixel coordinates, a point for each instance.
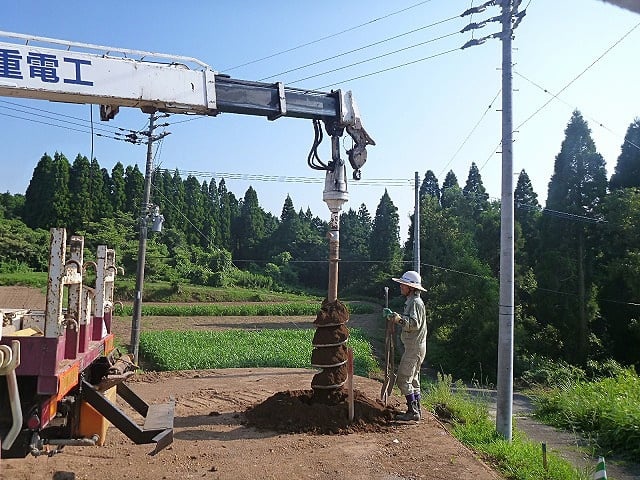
(414, 329)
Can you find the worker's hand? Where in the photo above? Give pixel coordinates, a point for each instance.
(391, 316)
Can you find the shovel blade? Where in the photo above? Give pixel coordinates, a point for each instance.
(383, 394)
(392, 382)
(387, 387)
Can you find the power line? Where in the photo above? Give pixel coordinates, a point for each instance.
(377, 57)
(328, 36)
(570, 294)
(55, 119)
(157, 190)
(471, 132)
(579, 75)
(560, 214)
(41, 122)
(389, 69)
(571, 106)
(54, 125)
(56, 114)
(390, 182)
(572, 216)
(363, 47)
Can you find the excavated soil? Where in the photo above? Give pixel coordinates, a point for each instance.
(305, 414)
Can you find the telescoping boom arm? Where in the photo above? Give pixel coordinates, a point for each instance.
(61, 71)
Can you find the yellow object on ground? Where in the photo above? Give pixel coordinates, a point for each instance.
(91, 422)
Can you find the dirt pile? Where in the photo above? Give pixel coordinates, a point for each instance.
(297, 411)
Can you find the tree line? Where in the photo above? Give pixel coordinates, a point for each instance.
(577, 259)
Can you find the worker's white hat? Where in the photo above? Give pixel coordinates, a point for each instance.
(411, 279)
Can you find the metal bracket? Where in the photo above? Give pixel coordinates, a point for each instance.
(158, 427)
(282, 102)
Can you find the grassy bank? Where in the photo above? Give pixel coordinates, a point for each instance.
(469, 421)
(606, 411)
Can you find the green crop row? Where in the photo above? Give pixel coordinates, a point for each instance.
(197, 350)
(243, 310)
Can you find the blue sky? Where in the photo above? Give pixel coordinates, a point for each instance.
(419, 114)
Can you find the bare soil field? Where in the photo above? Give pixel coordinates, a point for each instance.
(213, 438)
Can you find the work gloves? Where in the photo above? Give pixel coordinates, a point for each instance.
(391, 316)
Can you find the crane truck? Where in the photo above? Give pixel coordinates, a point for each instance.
(61, 371)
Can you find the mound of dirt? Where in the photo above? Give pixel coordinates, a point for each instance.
(296, 411)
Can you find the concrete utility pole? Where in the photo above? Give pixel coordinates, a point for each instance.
(505, 316)
(142, 245)
(416, 226)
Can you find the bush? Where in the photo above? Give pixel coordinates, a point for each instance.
(537, 370)
(607, 410)
(14, 266)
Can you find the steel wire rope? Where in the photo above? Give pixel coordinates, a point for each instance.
(326, 37)
(157, 190)
(364, 47)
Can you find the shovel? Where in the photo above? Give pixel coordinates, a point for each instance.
(389, 368)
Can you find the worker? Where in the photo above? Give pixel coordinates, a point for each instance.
(414, 339)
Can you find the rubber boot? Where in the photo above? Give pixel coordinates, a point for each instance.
(412, 410)
(417, 397)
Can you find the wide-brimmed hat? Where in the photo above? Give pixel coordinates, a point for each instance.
(412, 279)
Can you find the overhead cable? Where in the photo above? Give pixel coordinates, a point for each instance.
(391, 182)
(377, 57)
(600, 124)
(362, 48)
(390, 68)
(615, 44)
(328, 36)
(59, 126)
(19, 110)
(55, 114)
(470, 133)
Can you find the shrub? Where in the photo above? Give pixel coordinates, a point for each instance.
(607, 409)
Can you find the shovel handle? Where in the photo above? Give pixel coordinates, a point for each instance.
(386, 297)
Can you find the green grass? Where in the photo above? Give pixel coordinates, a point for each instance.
(520, 459)
(191, 350)
(25, 279)
(184, 292)
(244, 310)
(607, 411)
